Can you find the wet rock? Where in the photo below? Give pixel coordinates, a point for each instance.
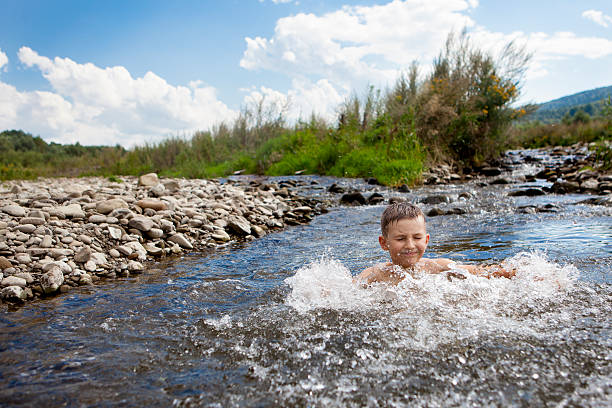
(436, 199)
(354, 198)
(394, 200)
(605, 201)
(376, 198)
(13, 294)
(403, 188)
(529, 192)
(52, 280)
(258, 231)
(107, 206)
(135, 267)
(372, 181)
(221, 236)
(490, 171)
(153, 249)
(148, 180)
(564, 187)
(590, 185)
(181, 240)
(14, 210)
(500, 180)
(334, 188)
(435, 211)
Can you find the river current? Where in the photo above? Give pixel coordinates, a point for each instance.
(278, 322)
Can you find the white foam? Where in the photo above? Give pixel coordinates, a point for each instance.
(432, 308)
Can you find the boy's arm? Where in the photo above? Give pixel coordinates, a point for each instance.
(491, 271)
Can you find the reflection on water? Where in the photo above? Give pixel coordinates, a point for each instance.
(277, 321)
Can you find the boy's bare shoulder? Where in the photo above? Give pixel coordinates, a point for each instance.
(376, 273)
(436, 265)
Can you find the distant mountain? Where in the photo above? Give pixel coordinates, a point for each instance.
(588, 101)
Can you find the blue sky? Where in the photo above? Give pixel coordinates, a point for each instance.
(129, 72)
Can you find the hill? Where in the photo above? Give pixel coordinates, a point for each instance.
(588, 101)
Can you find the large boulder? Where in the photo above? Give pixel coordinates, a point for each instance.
(13, 294)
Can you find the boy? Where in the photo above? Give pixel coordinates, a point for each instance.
(405, 237)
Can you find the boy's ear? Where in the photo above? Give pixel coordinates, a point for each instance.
(383, 243)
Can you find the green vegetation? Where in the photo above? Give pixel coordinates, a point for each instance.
(564, 109)
(460, 114)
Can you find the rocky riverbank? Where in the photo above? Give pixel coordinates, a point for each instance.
(56, 234)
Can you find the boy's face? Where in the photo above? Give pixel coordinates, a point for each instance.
(406, 241)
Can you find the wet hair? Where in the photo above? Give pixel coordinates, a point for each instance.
(398, 211)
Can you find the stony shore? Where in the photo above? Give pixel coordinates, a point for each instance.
(56, 234)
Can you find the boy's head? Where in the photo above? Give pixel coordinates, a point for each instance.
(404, 233)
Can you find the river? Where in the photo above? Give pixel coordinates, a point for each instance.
(277, 321)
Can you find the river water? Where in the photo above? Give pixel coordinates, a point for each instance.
(277, 321)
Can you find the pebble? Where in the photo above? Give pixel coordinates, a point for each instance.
(60, 233)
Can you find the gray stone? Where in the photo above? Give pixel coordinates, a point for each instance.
(90, 266)
(115, 232)
(47, 242)
(153, 249)
(58, 253)
(107, 206)
(155, 233)
(13, 294)
(23, 259)
(181, 240)
(52, 280)
(14, 210)
(13, 281)
(239, 225)
(141, 223)
(97, 219)
(134, 266)
(98, 257)
(148, 180)
(25, 275)
(26, 228)
(158, 190)
(83, 255)
(221, 236)
(171, 186)
(114, 253)
(436, 199)
(156, 205)
(32, 220)
(72, 211)
(125, 250)
(258, 231)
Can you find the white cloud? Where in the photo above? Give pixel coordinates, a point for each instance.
(303, 99)
(360, 45)
(357, 44)
(3, 60)
(96, 105)
(597, 17)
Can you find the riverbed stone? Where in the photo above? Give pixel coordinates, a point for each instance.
(32, 220)
(13, 281)
(72, 211)
(239, 225)
(107, 206)
(13, 294)
(437, 199)
(115, 232)
(353, 198)
(141, 223)
(52, 280)
(46, 242)
(26, 228)
(135, 267)
(528, 192)
(83, 255)
(25, 275)
(221, 235)
(148, 180)
(14, 210)
(181, 240)
(156, 205)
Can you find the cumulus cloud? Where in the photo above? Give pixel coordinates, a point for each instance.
(96, 105)
(359, 45)
(597, 17)
(3, 60)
